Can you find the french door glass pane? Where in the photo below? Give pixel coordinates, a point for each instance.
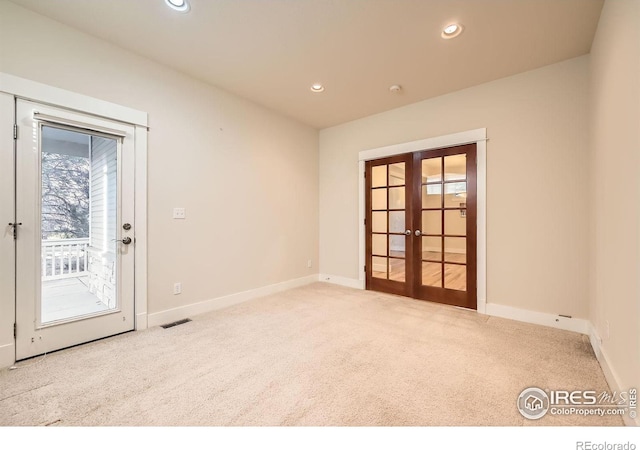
(397, 269)
(379, 222)
(379, 244)
(455, 249)
(396, 222)
(455, 167)
(431, 222)
(396, 198)
(455, 277)
(431, 170)
(431, 248)
(432, 196)
(396, 174)
(455, 194)
(379, 199)
(78, 225)
(455, 222)
(379, 267)
(379, 176)
(388, 220)
(432, 274)
(397, 246)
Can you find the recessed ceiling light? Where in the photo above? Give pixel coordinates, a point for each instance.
(317, 87)
(178, 5)
(452, 30)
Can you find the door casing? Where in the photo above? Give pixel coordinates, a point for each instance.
(477, 136)
(412, 285)
(33, 337)
(12, 88)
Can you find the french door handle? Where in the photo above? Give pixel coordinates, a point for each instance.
(418, 233)
(125, 241)
(407, 232)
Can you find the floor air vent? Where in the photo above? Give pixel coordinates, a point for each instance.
(177, 322)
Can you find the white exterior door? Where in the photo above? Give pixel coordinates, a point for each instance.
(75, 230)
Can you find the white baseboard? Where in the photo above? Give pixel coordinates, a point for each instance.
(7, 355)
(342, 281)
(182, 312)
(538, 318)
(609, 373)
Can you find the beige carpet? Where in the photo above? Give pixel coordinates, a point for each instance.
(317, 355)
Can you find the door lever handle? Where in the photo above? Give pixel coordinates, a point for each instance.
(125, 241)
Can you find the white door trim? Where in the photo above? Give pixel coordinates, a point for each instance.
(53, 96)
(7, 245)
(479, 137)
(42, 93)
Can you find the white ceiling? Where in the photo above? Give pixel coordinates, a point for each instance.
(271, 51)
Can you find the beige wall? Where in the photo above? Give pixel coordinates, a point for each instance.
(247, 177)
(536, 177)
(615, 188)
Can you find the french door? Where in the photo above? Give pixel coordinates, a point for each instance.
(421, 225)
(73, 228)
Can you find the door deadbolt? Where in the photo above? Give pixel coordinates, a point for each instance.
(126, 226)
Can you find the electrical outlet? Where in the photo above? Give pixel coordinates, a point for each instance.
(177, 288)
(179, 213)
(309, 264)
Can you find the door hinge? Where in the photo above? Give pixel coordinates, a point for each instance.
(365, 269)
(14, 225)
(15, 131)
(15, 330)
(365, 221)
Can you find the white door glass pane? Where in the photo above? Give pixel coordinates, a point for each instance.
(78, 225)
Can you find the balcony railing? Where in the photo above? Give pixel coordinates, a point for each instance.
(64, 258)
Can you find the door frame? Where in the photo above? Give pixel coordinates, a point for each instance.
(477, 136)
(30, 90)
